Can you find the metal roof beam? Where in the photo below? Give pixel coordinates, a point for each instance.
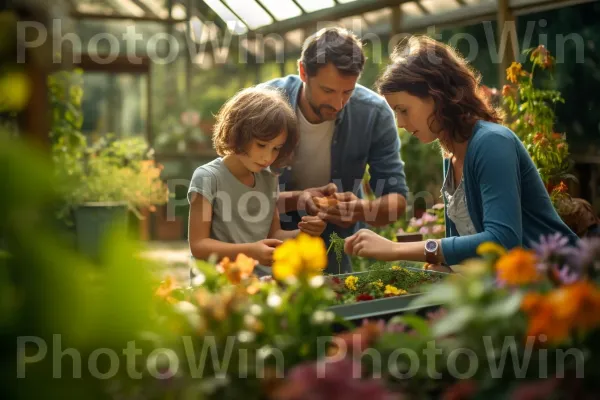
(329, 14)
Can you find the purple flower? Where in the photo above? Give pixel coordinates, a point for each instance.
(551, 245)
(567, 276)
(331, 380)
(586, 254)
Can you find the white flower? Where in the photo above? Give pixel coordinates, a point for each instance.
(246, 336)
(321, 317)
(255, 309)
(198, 280)
(317, 281)
(186, 307)
(274, 300)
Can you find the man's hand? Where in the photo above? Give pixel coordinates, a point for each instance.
(306, 201)
(346, 212)
(366, 243)
(313, 225)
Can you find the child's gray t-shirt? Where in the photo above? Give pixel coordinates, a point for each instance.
(240, 214)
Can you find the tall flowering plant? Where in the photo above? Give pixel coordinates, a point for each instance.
(530, 114)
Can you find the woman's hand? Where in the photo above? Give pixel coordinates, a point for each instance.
(366, 243)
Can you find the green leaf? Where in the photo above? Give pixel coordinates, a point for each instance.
(454, 321)
(443, 293)
(504, 308)
(419, 324)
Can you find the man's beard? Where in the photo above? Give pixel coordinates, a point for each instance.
(318, 109)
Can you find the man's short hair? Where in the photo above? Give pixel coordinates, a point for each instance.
(334, 45)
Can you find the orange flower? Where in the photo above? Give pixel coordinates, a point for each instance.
(543, 320)
(240, 269)
(508, 91)
(538, 138)
(580, 302)
(541, 56)
(518, 267)
(575, 306)
(165, 289)
(557, 136)
(561, 188)
(514, 71)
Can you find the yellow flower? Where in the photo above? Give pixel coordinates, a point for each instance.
(518, 267)
(490, 248)
(397, 268)
(286, 260)
(306, 255)
(378, 283)
(514, 71)
(313, 252)
(393, 291)
(351, 282)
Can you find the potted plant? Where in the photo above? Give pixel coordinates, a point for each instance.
(103, 182)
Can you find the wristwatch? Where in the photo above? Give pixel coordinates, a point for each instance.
(431, 251)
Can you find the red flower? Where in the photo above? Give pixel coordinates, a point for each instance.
(364, 297)
(336, 280)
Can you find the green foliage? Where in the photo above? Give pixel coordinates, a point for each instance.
(111, 170)
(53, 294)
(374, 282)
(65, 91)
(337, 243)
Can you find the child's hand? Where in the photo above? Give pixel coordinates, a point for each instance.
(313, 225)
(262, 251)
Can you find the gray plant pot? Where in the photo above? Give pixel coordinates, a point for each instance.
(93, 221)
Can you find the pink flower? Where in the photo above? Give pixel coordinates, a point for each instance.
(416, 222)
(438, 229)
(331, 380)
(438, 206)
(424, 230)
(429, 218)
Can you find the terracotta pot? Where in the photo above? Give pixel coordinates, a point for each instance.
(167, 228)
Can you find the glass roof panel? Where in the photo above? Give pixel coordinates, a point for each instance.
(282, 9)
(439, 6)
(295, 37)
(226, 15)
(156, 7)
(250, 12)
(314, 5)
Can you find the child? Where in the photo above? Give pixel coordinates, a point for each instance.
(233, 198)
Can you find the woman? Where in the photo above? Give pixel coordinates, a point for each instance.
(492, 190)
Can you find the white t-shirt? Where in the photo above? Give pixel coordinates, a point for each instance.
(311, 166)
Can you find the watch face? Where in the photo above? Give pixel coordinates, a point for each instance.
(431, 246)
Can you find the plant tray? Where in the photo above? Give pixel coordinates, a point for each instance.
(382, 308)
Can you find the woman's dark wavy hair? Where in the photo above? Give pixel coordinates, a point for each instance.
(424, 67)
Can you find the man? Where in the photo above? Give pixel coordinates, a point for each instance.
(343, 128)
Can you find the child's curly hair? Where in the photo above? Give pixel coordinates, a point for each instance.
(255, 113)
